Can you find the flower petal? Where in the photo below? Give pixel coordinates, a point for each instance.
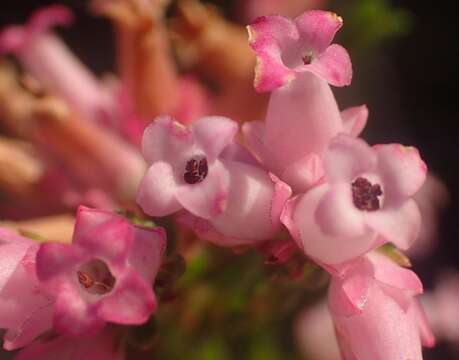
(213, 134)
(334, 66)
(131, 302)
(317, 28)
(402, 169)
(281, 194)
(354, 119)
(207, 198)
(304, 173)
(156, 194)
(399, 225)
(337, 215)
(164, 138)
(347, 157)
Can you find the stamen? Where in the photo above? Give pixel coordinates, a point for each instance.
(195, 171)
(307, 59)
(95, 277)
(365, 194)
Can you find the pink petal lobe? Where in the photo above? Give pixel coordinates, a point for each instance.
(50, 16)
(354, 119)
(156, 194)
(304, 173)
(206, 199)
(131, 302)
(399, 224)
(403, 170)
(213, 134)
(337, 215)
(346, 158)
(282, 192)
(317, 28)
(427, 336)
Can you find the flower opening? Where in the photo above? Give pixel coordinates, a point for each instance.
(365, 194)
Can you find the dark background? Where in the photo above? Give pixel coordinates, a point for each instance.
(410, 84)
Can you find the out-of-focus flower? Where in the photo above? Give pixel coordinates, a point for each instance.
(105, 275)
(102, 346)
(366, 200)
(288, 48)
(442, 310)
(47, 58)
(375, 312)
(315, 333)
(190, 169)
(301, 120)
(25, 311)
(20, 170)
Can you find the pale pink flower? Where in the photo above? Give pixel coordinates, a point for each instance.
(105, 275)
(102, 346)
(25, 311)
(301, 119)
(375, 312)
(287, 48)
(364, 201)
(202, 170)
(49, 60)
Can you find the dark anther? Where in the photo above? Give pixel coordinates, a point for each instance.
(95, 277)
(365, 195)
(195, 171)
(307, 59)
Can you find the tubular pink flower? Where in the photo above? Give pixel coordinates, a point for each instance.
(47, 58)
(103, 346)
(301, 120)
(105, 275)
(202, 170)
(366, 200)
(25, 311)
(288, 48)
(375, 313)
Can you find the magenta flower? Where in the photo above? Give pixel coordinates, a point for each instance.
(301, 120)
(202, 170)
(366, 200)
(375, 313)
(48, 59)
(103, 346)
(105, 275)
(25, 311)
(288, 48)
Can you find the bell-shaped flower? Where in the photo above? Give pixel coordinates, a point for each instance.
(25, 311)
(105, 275)
(103, 346)
(301, 120)
(49, 60)
(287, 48)
(375, 313)
(364, 201)
(202, 170)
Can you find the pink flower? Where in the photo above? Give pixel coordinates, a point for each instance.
(103, 346)
(301, 120)
(47, 58)
(366, 200)
(202, 170)
(288, 48)
(105, 275)
(375, 313)
(25, 311)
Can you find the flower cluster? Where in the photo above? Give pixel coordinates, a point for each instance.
(300, 183)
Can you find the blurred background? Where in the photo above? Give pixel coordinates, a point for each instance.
(405, 60)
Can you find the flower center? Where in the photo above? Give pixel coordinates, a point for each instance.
(307, 59)
(95, 277)
(195, 171)
(365, 194)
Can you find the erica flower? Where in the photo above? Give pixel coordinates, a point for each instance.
(48, 59)
(25, 311)
(287, 48)
(366, 200)
(105, 275)
(375, 313)
(301, 120)
(201, 169)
